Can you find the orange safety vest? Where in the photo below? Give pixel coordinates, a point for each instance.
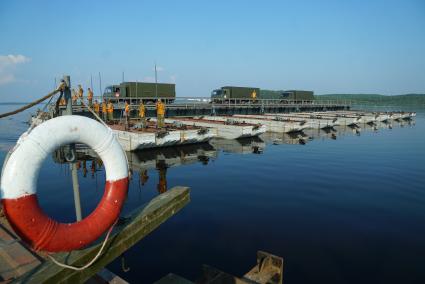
(90, 95)
(160, 108)
(80, 92)
(127, 108)
(110, 108)
(96, 107)
(142, 110)
(104, 107)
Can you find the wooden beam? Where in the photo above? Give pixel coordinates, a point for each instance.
(137, 226)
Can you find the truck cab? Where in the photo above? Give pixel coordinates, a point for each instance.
(114, 91)
(220, 94)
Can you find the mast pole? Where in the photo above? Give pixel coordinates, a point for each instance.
(100, 86)
(156, 83)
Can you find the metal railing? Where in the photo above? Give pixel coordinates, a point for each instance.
(199, 101)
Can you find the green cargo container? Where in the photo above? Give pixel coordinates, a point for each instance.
(291, 95)
(231, 92)
(148, 91)
(298, 95)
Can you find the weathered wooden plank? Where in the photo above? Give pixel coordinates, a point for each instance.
(15, 259)
(139, 224)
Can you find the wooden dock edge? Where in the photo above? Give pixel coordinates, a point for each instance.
(137, 226)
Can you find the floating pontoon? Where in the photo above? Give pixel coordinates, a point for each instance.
(221, 128)
(312, 122)
(337, 119)
(151, 137)
(273, 125)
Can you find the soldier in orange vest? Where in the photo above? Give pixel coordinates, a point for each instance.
(142, 114)
(96, 107)
(104, 110)
(126, 114)
(90, 96)
(110, 110)
(160, 114)
(74, 97)
(254, 96)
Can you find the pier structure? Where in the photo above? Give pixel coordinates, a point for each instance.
(198, 106)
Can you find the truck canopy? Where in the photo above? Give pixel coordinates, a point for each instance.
(141, 90)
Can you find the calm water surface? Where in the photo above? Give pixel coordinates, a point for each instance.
(346, 207)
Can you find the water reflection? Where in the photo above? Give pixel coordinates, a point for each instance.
(155, 164)
(162, 176)
(285, 138)
(252, 145)
(157, 159)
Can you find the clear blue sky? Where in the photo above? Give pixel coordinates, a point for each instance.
(325, 46)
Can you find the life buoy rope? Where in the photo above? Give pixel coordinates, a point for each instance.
(19, 179)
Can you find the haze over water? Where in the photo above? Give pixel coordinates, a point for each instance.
(349, 210)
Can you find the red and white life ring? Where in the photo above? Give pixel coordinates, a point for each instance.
(19, 179)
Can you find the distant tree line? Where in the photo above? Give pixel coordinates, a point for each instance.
(376, 99)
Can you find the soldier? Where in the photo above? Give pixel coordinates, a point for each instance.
(142, 112)
(110, 109)
(126, 114)
(74, 97)
(90, 96)
(80, 92)
(104, 110)
(254, 96)
(160, 113)
(96, 107)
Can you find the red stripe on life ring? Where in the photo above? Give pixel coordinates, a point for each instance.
(43, 233)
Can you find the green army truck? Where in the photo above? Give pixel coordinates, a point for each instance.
(241, 94)
(298, 95)
(141, 91)
(288, 96)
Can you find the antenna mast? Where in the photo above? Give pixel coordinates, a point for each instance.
(156, 83)
(100, 86)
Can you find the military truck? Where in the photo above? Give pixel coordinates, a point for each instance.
(241, 94)
(147, 92)
(287, 96)
(297, 95)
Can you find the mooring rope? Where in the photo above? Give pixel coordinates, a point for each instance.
(60, 88)
(95, 115)
(92, 261)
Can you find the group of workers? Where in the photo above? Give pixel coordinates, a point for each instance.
(77, 97)
(105, 110)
